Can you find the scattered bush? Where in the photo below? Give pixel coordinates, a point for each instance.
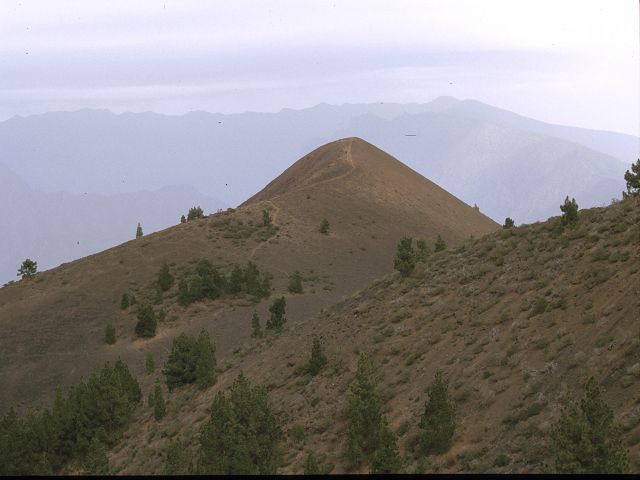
(438, 420)
(277, 320)
(165, 279)
(256, 331)
(569, 212)
(405, 259)
(439, 245)
(508, 223)
(295, 282)
(192, 360)
(324, 226)
(146, 326)
(318, 359)
(110, 335)
(28, 269)
(195, 213)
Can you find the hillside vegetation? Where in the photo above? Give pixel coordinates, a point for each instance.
(515, 320)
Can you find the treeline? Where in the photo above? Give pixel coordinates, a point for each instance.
(210, 283)
(79, 426)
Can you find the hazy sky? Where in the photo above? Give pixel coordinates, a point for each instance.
(563, 61)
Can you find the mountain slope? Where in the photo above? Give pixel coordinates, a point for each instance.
(506, 171)
(515, 319)
(52, 327)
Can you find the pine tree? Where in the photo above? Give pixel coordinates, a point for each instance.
(28, 269)
(364, 413)
(405, 260)
(139, 231)
(277, 320)
(295, 282)
(569, 211)
(178, 460)
(124, 302)
(165, 279)
(266, 218)
(439, 245)
(508, 223)
(256, 331)
(386, 459)
(180, 368)
(96, 461)
(149, 363)
(206, 361)
(318, 359)
(324, 226)
(182, 219)
(586, 439)
(184, 294)
(311, 466)
(422, 251)
(633, 179)
(159, 407)
(146, 326)
(438, 419)
(242, 434)
(235, 280)
(110, 335)
(194, 213)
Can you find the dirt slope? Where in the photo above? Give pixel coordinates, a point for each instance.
(514, 319)
(52, 327)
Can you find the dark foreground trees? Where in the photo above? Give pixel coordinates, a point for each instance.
(586, 439)
(369, 438)
(78, 426)
(438, 420)
(242, 434)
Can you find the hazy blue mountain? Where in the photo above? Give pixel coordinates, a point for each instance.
(53, 228)
(505, 171)
(506, 163)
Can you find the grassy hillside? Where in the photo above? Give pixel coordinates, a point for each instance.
(52, 326)
(515, 319)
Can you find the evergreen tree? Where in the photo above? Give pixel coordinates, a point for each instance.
(508, 223)
(318, 359)
(182, 219)
(139, 231)
(311, 466)
(124, 302)
(28, 269)
(633, 178)
(110, 335)
(256, 331)
(422, 251)
(146, 326)
(324, 226)
(438, 419)
(236, 280)
(180, 368)
(165, 279)
(364, 413)
(277, 320)
(184, 295)
(266, 218)
(586, 439)
(96, 461)
(242, 434)
(386, 459)
(194, 213)
(569, 211)
(295, 282)
(405, 260)
(149, 363)
(439, 245)
(159, 407)
(178, 460)
(206, 361)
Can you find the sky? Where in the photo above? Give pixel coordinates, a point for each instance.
(573, 62)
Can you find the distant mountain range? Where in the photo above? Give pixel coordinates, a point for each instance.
(507, 164)
(52, 228)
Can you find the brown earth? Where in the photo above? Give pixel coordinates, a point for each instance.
(52, 326)
(515, 319)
